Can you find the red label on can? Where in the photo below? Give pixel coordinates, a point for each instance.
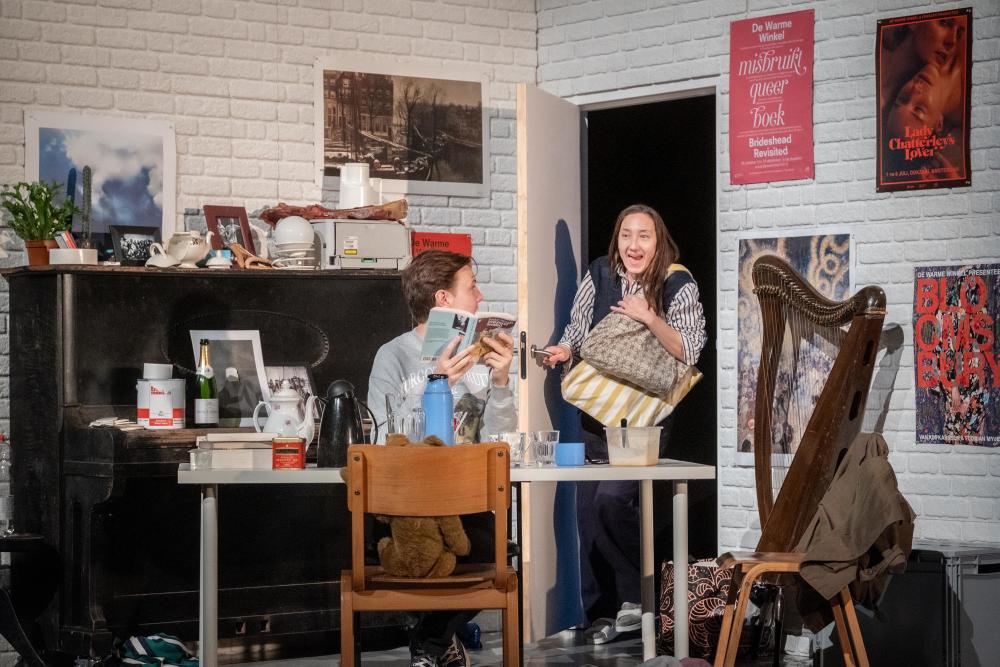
(288, 453)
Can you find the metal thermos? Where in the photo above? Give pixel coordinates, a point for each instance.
(439, 410)
(341, 426)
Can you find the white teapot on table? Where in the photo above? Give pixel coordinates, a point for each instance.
(188, 248)
(286, 416)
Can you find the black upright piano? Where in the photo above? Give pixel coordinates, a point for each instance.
(108, 501)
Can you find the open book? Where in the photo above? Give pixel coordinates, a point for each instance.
(443, 324)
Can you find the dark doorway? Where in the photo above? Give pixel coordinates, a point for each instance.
(663, 154)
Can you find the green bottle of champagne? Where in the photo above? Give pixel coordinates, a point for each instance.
(206, 401)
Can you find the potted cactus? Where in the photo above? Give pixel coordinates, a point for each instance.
(36, 217)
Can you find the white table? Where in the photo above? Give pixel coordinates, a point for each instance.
(677, 471)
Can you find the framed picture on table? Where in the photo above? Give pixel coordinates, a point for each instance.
(298, 377)
(131, 243)
(229, 225)
(238, 362)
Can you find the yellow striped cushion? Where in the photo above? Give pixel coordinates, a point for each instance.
(609, 400)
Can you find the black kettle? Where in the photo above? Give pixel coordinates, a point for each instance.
(340, 427)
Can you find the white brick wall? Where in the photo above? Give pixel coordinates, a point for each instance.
(236, 79)
(612, 45)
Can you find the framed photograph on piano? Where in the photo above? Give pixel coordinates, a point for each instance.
(229, 225)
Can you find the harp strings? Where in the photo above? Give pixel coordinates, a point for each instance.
(807, 354)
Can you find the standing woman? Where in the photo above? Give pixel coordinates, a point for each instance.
(632, 279)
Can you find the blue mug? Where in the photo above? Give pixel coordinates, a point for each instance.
(569, 454)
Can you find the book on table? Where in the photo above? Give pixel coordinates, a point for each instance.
(443, 324)
(238, 451)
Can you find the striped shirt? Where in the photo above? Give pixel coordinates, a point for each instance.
(685, 314)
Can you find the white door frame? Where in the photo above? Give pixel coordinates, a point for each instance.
(677, 90)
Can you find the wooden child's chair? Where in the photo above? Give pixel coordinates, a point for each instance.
(429, 481)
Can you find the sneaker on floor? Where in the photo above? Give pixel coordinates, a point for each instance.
(419, 658)
(456, 655)
(629, 618)
(601, 631)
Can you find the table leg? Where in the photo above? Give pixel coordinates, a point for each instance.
(208, 618)
(680, 569)
(648, 576)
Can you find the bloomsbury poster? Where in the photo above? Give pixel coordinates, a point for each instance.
(770, 98)
(955, 331)
(923, 75)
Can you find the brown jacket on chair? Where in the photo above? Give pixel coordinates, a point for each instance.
(863, 528)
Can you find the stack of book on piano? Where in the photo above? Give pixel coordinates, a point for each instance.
(238, 451)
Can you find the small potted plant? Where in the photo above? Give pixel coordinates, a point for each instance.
(35, 217)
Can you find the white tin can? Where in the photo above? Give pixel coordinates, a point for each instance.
(160, 404)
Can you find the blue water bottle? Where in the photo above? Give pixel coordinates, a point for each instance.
(438, 409)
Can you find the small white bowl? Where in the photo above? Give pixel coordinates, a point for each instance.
(293, 229)
(72, 255)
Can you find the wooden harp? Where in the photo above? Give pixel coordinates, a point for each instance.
(795, 319)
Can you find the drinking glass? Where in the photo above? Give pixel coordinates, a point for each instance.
(515, 441)
(410, 424)
(544, 445)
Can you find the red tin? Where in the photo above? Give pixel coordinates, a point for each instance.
(288, 453)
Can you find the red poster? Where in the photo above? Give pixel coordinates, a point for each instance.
(923, 77)
(460, 243)
(770, 98)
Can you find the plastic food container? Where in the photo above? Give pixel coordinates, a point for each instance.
(643, 445)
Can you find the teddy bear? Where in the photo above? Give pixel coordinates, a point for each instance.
(421, 546)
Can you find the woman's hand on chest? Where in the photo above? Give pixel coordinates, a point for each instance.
(637, 308)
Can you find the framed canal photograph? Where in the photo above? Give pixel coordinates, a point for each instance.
(420, 129)
(133, 162)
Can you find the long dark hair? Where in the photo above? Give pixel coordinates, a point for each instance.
(666, 254)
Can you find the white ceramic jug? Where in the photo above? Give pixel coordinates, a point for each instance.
(355, 188)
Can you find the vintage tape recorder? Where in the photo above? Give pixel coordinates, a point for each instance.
(364, 244)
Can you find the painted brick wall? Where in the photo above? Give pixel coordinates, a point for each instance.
(236, 79)
(616, 45)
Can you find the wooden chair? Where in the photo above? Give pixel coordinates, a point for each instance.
(467, 479)
(794, 317)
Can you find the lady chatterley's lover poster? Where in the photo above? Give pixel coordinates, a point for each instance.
(923, 78)
(770, 98)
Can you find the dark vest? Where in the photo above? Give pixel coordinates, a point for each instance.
(608, 289)
(607, 293)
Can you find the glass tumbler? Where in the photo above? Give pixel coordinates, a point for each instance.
(544, 445)
(515, 441)
(410, 424)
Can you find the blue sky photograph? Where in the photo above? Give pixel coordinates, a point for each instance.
(127, 182)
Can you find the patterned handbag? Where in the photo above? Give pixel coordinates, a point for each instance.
(708, 588)
(627, 350)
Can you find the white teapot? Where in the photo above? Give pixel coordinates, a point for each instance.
(189, 248)
(285, 414)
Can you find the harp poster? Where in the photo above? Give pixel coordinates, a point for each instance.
(955, 329)
(923, 78)
(824, 262)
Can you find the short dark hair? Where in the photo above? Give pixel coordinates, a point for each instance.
(430, 271)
